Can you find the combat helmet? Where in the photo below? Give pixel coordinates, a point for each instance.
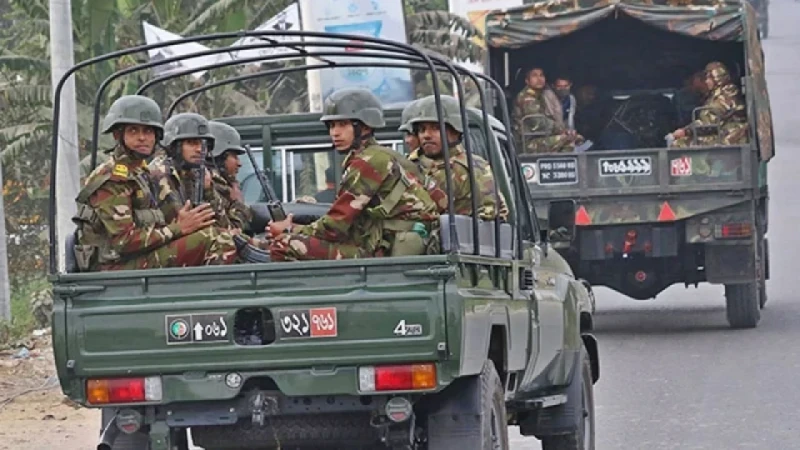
(426, 112)
(354, 104)
(406, 115)
(186, 126)
(134, 110)
(226, 139)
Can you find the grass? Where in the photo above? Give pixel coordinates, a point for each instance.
(22, 319)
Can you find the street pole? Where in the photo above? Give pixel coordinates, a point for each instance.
(5, 291)
(67, 176)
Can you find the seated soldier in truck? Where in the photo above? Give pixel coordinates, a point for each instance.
(381, 207)
(425, 124)
(415, 153)
(538, 118)
(225, 166)
(724, 113)
(186, 140)
(119, 224)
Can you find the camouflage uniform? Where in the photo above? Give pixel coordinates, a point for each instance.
(726, 109)
(174, 185)
(380, 202)
(227, 139)
(434, 168)
(119, 224)
(529, 102)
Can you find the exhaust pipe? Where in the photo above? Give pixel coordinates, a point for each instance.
(109, 435)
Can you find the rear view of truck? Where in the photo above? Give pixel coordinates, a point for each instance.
(650, 216)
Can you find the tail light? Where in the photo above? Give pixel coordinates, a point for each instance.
(406, 377)
(123, 390)
(734, 230)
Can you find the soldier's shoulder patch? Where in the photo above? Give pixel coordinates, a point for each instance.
(120, 171)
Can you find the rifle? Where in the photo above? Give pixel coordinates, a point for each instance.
(199, 178)
(274, 205)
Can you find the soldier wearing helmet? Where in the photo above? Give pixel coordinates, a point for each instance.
(381, 207)
(225, 164)
(723, 115)
(415, 153)
(119, 223)
(425, 124)
(187, 140)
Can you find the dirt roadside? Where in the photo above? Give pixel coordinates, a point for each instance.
(34, 414)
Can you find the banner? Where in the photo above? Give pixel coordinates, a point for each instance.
(286, 20)
(154, 34)
(375, 18)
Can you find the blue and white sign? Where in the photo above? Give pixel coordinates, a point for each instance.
(373, 18)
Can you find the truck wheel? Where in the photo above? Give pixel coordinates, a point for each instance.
(137, 441)
(742, 305)
(583, 437)
(494, 421)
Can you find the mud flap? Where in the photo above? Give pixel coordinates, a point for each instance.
(456, 423)
(561, 419)
(730, 264)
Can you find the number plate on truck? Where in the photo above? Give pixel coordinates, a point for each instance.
(196, 328)
(307, 323)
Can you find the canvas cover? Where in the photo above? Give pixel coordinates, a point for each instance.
(714, 20)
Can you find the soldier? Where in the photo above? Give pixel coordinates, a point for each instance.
(381, 207)
(426, 126)
(119, 224)
(225, 167)
(542, 103)
(186, 138)
(724, 108)
(411, 139)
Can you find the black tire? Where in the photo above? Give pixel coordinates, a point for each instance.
(584, 437)
(136, 441)
(494, 420)
(742, 305)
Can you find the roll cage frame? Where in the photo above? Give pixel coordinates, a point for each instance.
(410, 57)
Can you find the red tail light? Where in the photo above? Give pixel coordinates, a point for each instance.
(735, 230)
(406, 377)
(123, 390)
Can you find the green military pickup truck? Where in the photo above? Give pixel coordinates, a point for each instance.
(650, 216)
(423, 352)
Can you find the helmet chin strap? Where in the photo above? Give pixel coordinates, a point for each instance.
(131, 152)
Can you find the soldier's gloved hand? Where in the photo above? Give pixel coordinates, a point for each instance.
(276, 228)
(193, 219)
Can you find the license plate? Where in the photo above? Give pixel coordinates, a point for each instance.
(307, 323)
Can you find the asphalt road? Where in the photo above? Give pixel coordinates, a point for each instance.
(673, 376)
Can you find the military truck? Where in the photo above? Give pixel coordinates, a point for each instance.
(433, 351)
(649, 216)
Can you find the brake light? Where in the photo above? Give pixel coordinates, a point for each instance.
(123, 390)
(735, 230)
(405, 377)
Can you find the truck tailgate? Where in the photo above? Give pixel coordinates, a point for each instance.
(316, 315)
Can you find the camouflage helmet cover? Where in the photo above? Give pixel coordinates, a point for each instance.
(226, 139)
(354, 104)
(406, 115)
(426, 112)
(133, 110)
(186, 126)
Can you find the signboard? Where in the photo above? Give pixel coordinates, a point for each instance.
(374, 18)
(476, 10)
(613, 167)
(553, 171)
(154, 34)
(286, 20)
(196, 328)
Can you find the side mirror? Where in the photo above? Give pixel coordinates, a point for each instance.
(561, 220)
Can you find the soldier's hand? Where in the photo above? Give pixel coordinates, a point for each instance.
(236, 193)
(193, 219)
(679, 133)
(276, 228)
(207, 179)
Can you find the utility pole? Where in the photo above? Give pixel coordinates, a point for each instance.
(5, 290)
(68, 173)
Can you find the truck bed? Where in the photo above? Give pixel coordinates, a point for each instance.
(180, 321)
